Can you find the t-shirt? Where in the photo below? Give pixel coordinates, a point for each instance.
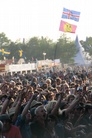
(24, 127)
(14, 132)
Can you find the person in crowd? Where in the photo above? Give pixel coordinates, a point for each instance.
(9, 130)
(38, 124)
(23, 120)
(53, 104)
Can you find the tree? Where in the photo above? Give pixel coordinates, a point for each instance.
(46, 45)
(4, 43)
(66, 50)
(36, 47)
(87, 45)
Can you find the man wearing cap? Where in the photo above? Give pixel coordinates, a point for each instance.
(37, 126)
(9, 130)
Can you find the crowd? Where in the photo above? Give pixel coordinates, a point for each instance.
(53, 104)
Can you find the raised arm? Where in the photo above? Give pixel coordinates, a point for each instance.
(6, 102)
(57, 105)
(25, 110)
(72, 105)
(15, 102)
(18, 106)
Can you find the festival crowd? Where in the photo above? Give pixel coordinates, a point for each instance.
(52, 104)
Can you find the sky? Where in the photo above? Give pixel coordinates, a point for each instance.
(28, 18)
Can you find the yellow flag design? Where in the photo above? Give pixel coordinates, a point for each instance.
(68, 27)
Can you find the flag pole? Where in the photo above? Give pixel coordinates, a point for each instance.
(55, 53)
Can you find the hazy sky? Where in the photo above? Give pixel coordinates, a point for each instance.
(28, 18)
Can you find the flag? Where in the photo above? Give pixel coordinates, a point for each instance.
(2, 50)
(71, 14)
(20, 53)
(67, 27)
(5, 53)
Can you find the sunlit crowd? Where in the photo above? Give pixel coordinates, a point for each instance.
(47, 104)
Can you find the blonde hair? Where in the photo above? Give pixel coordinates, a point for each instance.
(48, 80)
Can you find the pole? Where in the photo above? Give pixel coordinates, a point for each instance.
(55, 53)
(44, 54)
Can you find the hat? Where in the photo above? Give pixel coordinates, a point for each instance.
(49, 106)
(4, 117)
(32, 111)
(35, 104)
(12, 111)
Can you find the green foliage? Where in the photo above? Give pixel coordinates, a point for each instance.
(88, 45)
(34, 48)
(4, 41)
(66, 50)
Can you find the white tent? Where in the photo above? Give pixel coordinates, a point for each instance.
(81, 56)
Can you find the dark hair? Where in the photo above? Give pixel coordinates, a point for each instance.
(71, 96)
(52, 118)
(45, 85)
(33, 84)
(88, 106)
(63, 105)
(5, 117)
